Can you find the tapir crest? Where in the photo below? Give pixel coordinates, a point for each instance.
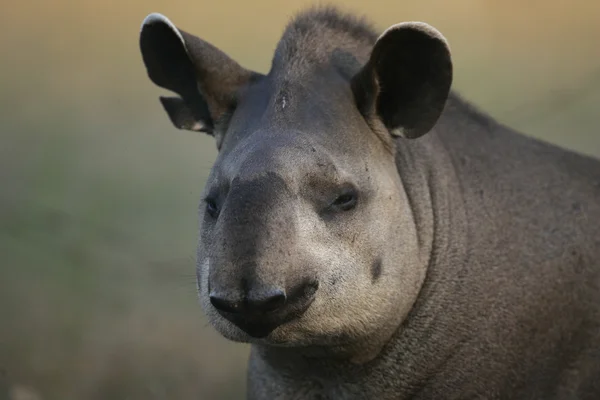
(374, 236)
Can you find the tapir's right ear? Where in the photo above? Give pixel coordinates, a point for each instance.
(407, 79)
(206, 79)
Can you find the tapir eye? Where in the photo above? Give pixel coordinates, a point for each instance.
(345, 201)
(211, 207)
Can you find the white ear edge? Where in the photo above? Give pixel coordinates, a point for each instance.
(158, 18)
(418, 26)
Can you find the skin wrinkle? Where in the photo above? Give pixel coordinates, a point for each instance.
(454, 274)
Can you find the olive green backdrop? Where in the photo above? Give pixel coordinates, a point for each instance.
(99, 193)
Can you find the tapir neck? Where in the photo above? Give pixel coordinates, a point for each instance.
(427, 173)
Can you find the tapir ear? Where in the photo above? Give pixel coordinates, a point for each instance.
(407, 79)
(206, 79)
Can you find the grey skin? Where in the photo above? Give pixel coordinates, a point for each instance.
(374, 236)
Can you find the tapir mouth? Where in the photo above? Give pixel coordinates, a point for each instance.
(260, 325)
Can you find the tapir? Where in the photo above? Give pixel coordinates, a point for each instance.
(371, 233)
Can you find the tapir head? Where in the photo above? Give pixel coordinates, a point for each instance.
(307, 235)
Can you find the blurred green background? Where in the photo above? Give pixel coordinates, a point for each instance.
(99, 193)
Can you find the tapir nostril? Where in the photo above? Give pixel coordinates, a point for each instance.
(267, 302)
(261, 302)
(225, 305)
(260, 310)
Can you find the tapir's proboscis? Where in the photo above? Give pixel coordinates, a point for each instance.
(373, 235)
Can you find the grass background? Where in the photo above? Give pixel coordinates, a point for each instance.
(99, 193)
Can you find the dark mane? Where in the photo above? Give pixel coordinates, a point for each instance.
(314, 35)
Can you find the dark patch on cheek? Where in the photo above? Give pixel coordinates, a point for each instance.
(376, 270)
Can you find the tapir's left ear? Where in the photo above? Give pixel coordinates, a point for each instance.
(407, 79)
(205, 78)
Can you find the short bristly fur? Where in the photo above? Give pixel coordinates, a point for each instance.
(374, 236)
(313, 37)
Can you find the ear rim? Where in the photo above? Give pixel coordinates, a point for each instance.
(419, 26)
(366, 84)
(156, 17)
(148, 48)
